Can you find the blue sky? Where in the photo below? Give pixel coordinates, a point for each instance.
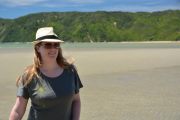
(17, 8)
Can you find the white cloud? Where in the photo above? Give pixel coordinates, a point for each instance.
(137, 8)
(87, 1)
(48, 3)
(20, 2)
(53, 5)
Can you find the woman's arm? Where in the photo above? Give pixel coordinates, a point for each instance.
(19, 109)
(76, 108)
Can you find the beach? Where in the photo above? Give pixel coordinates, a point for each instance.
(140, 83)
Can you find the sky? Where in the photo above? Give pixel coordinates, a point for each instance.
(16, 8)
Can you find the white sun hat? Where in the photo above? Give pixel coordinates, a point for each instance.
(46, 34)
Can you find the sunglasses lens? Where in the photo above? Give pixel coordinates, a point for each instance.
(51, 45)
(56, 45)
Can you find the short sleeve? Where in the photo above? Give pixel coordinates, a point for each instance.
(22, 91)
(78, 83)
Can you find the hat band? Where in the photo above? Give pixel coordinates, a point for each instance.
(48, 37)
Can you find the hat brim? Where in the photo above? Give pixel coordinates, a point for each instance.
(48, 40)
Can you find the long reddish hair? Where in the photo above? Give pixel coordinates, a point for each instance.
(32, 70)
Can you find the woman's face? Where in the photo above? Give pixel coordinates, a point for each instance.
(48, 50)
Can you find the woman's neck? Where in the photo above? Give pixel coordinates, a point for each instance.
(50, 67)
(51, 70)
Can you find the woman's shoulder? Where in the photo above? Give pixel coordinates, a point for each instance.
(73, 68)
(27, 75)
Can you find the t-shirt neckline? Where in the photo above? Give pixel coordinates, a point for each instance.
(52, 78)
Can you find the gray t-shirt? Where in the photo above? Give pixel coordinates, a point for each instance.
(51, 98)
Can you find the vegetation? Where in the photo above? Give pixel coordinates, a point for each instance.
(95, 26)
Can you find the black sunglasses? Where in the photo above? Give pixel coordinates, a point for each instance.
(50, 45)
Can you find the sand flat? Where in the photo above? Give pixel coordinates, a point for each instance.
(119, 84)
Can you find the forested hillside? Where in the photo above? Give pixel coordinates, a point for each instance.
(95, 26)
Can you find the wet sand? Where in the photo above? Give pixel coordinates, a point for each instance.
(119, 84)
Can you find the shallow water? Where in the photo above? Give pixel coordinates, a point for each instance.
(101, 45)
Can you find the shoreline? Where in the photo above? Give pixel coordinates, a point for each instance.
(98, 42)
(152, 42)
(97, 45)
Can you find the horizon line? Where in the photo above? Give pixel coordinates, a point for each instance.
(90, 12)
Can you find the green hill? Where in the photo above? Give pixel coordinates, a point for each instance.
(95, 26)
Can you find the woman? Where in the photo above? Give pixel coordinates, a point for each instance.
(51, 83)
